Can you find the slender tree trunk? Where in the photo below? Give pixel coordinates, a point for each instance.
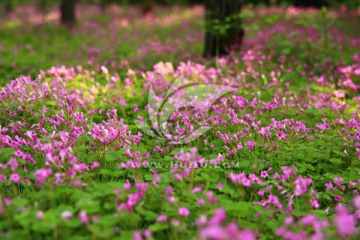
(67, 9)
(310, 3)
(8, 6)
(147, 6)
(44, 8)
(223, 26)
(104, 4)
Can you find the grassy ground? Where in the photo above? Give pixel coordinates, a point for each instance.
(120, 39)
(279, 157)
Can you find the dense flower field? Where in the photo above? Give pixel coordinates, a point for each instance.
(280, 158)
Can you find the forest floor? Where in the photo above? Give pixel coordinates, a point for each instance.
(119, 128)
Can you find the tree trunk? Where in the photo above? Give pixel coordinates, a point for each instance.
(8, 6)
(44, 8)
(223, 26)
(67, 10)
(147, 7)
(104, 4)
(310, 3)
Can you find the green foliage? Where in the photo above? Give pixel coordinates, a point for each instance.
(53, 211)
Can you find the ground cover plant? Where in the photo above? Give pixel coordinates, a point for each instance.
(280, 158)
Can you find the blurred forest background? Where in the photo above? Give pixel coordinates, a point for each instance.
(123, 34)
(147, 5)
(89, 151)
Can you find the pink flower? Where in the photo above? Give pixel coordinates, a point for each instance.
(338, 198)
(213, 232)
(104, 70)
(66, 215)
(184, 211)
(247, 235)
(281, 135)
(15, 178)
(8, 201)
(329, 186)
(250, 145)
(219, 216)
(127, 185)
(276, 176)
(83, 217)
(210, 196)
(137, 235)
(41, 176)
(339, 94)
(201, 202)
(345, 222)
(245, 181)
(314, 203)
(301, 185)
(323, 127)
(288, 220)
(274, 200)
(40, 215)
(356, 202)
(338, 181)
(197, 189)
(147, 233)
(95, 218)
(2, 177)
(261, 193)
(94, 165)
(161, 218)
(288, 172)
(201, 221)
(175, 222)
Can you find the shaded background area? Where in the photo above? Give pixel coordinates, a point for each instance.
(285, 145)
(123, 34)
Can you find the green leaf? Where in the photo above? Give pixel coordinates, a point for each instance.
(159, 226)
(89, 205)
(107, 221)
(336, 161)
(113, 155)
(6, 153)
(42, 226)
(73, 222)
(100, 231)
